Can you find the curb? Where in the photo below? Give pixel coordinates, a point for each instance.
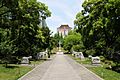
(33, 69)
(29, 72)
(91, 72)
(86, 68)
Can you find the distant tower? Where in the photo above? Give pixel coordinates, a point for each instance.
(63, 30)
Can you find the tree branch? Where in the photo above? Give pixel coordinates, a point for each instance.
(4, 13)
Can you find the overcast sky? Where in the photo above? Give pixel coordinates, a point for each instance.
(63, 12)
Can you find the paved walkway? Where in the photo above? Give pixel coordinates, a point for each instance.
(61, 67)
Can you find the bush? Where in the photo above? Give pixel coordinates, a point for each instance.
(76, 48)
(90, 52)
(70, 40)
(102, 58)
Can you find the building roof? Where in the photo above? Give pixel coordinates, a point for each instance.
(63, 26)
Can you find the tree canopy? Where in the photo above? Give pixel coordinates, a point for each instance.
(20, 29)
(98, 24)
(73, 40)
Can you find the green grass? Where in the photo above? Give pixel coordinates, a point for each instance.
(37, 62)
(101, 71)
(86, 61)
(13, 72)
(104, 73)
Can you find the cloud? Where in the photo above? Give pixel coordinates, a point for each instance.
(63, 12)
(54, 22)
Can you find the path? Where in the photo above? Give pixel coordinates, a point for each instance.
(61, 67)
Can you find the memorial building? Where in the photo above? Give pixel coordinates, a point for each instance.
(63, 30)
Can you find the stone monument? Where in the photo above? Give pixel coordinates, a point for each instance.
(95, 61)
(59, 46)
(78, 55)
(59, 49)
(42, 55)
(25, 60)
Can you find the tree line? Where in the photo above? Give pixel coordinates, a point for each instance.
(99, 25)
(22, 29)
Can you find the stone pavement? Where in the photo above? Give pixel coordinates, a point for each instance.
(61, 67)
(83, 72)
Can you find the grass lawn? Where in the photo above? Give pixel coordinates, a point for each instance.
(86, 61)
(104, 73)
(13, 72)
(101, 71)
(37, 62)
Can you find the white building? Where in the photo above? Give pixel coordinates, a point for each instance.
(63, 30)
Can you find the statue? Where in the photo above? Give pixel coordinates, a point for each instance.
(59, 46)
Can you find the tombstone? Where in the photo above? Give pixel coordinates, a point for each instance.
(42, 55)
(78, 55)
(96, 61)
(25, 60)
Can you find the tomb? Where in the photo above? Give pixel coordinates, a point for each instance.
(42, 55)
(95, 60)
(25, 60)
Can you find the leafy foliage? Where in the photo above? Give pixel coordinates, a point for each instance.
(58, 38)
(21, 34)
(71, 40)
(98, 24)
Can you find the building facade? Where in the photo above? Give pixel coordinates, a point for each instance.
(63, 30)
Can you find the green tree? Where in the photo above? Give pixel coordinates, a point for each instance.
(71, 40)
(98, 24)
(58, 38)
(19, 26)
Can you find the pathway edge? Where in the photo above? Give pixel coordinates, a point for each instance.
(86, 68)
(29, 72)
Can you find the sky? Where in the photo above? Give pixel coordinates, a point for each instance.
(63, 12)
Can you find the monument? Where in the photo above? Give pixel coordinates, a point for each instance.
(59, 48)
(42, 55)
(95, 61)
(25, 60)
(78, 55)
